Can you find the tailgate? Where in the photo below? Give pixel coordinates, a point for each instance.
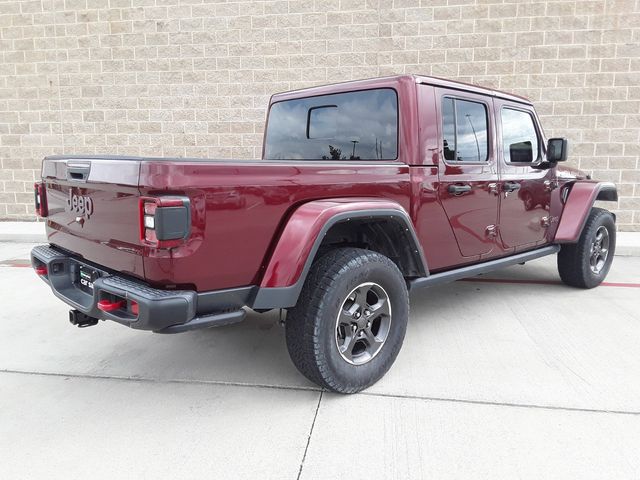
(93, 209)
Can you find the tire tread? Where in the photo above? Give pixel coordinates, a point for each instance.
(573, 264)
(303, 329)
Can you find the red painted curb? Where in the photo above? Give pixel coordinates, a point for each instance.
(544, 282)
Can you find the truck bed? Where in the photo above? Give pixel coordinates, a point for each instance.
(237, 210)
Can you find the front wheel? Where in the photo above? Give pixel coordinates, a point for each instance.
(527, 200)
(586, 263)
(350, 320)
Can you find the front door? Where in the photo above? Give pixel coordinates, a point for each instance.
(467, 172)
(525, 192)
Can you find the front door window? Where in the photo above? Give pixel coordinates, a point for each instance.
(519, 138)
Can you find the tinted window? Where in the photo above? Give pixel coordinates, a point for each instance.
(345, 126)
(449, 129)
(519, 137)
(464, 131)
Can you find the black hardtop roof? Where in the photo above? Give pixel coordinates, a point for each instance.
(424, 79)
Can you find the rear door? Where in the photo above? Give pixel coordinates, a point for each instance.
(467, 172)
(525, 191)
(93, 209)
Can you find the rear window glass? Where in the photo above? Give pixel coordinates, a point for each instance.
(359, 125)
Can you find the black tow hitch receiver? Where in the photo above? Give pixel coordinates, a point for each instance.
(81, 320)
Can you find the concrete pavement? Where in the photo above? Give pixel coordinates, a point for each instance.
(510, 375)
(80, 427)
(22, 232)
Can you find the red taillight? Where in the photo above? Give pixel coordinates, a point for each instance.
(40, 197)
(109, 306)
(134, 308)
(41, 270)
(165, 222)
(148, 221)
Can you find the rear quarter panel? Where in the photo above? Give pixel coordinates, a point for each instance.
(239, 209)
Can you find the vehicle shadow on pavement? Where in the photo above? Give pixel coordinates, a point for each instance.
(250, 352)
(466, 340)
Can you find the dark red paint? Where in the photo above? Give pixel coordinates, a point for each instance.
(575, 211)
(253, 222)
(303, 227)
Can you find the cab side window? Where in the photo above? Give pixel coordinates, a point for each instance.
(519, 137)
(464, 131)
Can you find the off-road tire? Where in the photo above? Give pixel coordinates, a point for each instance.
(311, 324)
(574, 259)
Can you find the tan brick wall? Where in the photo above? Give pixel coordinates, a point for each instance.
(163, 77)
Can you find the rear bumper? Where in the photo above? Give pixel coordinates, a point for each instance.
(143, 307)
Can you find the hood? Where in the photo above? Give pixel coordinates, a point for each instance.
(566, 173)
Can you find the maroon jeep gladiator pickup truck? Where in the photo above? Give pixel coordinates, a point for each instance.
(366, 190)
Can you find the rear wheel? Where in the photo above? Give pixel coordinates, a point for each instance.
(350, 320)
(586, 263)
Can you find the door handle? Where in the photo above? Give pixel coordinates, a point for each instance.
(459, 189)
(78, 171)
(510, 186)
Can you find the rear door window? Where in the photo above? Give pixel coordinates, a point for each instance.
(519, 137)
(464, 129)
(360, 125)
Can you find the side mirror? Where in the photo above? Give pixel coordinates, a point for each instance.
(557, 150)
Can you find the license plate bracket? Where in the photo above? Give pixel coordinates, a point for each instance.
(86, 277)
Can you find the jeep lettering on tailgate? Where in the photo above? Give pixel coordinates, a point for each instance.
(366, 190)
(80, 204)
